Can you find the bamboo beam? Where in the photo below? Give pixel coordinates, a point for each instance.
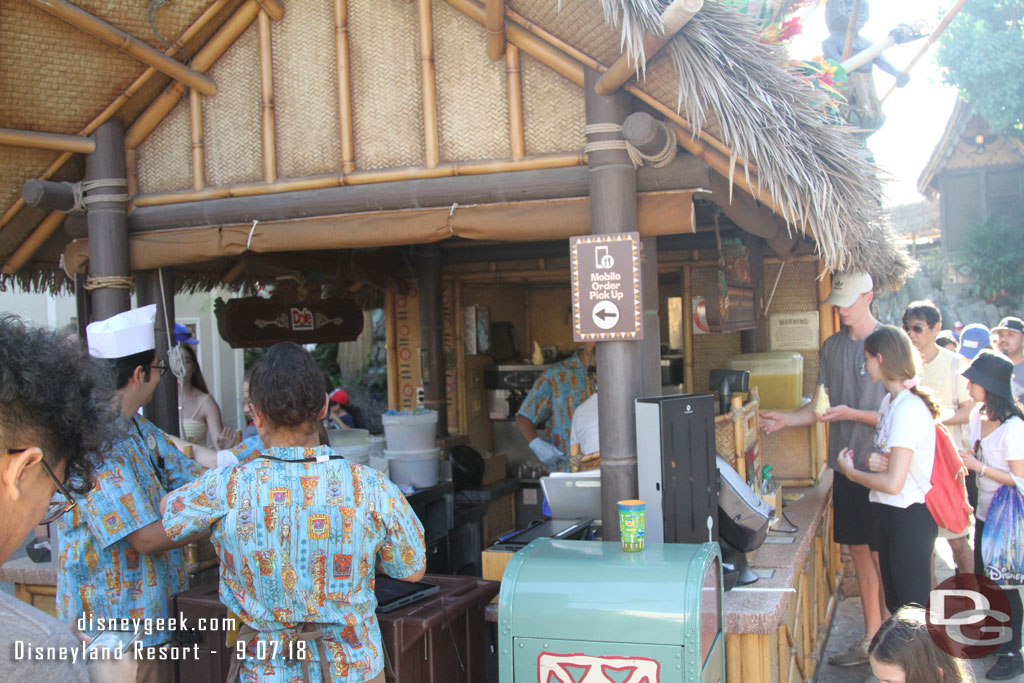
(203, 60)
(35, 240)
(344, 86)
(943, 25)
(119, 101)
(851, 30)
(495, 25)
(233, 273)
(131, 174)
(427, 71)
(198, 148)
(267, 98)
(131, 45)
(77, 144)
(673, 19)
(516, 137)
(527, 42)
(366, 178)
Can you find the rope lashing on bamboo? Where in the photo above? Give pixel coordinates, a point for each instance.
(662, 158)
(110, 282)
(82, 202)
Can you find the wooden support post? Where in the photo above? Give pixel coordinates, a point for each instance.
(114, 36)
(426, 23)
(108, 221)
(344, 86)
(432, 366)
(688, 361)
(391, 346)
(163, 409)
(516, 137)
(77, 144)
(495, 25)
(673, 19)
(198, 149)
(267, 98)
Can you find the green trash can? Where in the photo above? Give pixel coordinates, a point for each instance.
(585, 610)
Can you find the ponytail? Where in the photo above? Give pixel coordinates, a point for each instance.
(928, 399)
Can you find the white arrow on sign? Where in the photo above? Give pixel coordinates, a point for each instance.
(605, 315)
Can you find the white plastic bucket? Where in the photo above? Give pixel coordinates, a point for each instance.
(359, 453)
(410, 432)
(343, 438)
(414, 468)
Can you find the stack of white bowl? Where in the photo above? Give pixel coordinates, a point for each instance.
(413, 458)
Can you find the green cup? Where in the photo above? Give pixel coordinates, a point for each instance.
(631, 524)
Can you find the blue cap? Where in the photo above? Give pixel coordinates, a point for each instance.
(973, 339)
(182, 335)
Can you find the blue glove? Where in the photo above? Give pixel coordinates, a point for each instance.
(545, 451)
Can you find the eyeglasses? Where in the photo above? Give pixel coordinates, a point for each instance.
(56, 508)
(161, 367)
(916, 329)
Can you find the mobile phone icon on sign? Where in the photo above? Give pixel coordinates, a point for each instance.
(603, 258)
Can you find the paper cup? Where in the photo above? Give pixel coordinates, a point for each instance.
(631, 524)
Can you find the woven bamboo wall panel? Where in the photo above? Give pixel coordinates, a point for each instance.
(578, 22)
(133, 17)
(709, 350)
(796, 293)
(553, 115)
(472, 98)
(13, 162)
(387, 91)
(232, 118)
(164, 159)
(47, 86)
(306, 90)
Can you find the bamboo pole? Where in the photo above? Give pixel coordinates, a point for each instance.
(31, 245)
(943, 25)
(267, 98)
(77, 144)
(495, 25)
(851, 31)
(824, 288)
(203, 60)
(673, 19)
(344, 86)
(119, 101)
(233, 273)
(131, 173)
(366, 177)
(527, 42)
(427, 70)
(198, 148)
(131, 45)
(516, 136)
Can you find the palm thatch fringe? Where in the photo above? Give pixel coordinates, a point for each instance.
(817, 171)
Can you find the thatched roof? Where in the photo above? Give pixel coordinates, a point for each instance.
(735, 95)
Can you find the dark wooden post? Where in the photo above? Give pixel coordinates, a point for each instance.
(432, 364)
(163, 409)
(108, 220)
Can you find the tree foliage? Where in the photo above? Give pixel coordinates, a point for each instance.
(993, 261)
(982, 53)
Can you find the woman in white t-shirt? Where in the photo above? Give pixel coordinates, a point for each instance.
(996, 429)
(901, 469)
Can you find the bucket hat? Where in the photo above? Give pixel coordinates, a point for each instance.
(992, 372)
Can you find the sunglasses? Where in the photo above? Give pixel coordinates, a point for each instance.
(916, 329)
(56, 508)
(160, 367)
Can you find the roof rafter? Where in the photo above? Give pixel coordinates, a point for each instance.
(78, 144)
(495, 25)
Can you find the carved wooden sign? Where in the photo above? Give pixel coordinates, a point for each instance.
(255, 321)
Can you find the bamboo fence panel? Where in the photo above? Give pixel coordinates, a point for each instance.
(232, 120)
(473, 110)
(305, 91)
(388, 113)
(267, 98)
(428, 81)
(344, 86)
(164, 162)
(553, 112)
(517, 144)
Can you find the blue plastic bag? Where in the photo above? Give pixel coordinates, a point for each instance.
(1002, 541)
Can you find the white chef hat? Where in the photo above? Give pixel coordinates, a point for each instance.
(122, 334)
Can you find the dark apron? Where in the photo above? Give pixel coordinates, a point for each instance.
(307, 631)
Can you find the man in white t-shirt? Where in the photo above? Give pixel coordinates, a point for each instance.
(940, 375)
(584, 442)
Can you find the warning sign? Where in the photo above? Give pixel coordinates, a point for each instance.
(606, 301)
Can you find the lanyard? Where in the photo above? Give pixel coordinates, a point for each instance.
(151, 445)
(321, 459)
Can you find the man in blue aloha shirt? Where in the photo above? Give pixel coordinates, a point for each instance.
(300, 532)
(554, 398)
(115, 561)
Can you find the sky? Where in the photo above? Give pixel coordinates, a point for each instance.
(916, 114)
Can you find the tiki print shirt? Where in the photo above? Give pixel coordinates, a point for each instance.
(554, 398)
(99, 574)
(299, 542)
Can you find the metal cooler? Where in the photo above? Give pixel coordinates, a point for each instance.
(572, 608)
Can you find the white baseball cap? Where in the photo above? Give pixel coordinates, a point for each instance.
(847, 286)
(122, 334)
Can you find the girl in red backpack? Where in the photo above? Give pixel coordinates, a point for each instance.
(996, 429)
(906, 531)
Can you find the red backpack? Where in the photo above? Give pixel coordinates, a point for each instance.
(947, 498)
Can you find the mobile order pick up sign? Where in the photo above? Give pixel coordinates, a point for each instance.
(606, 297)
